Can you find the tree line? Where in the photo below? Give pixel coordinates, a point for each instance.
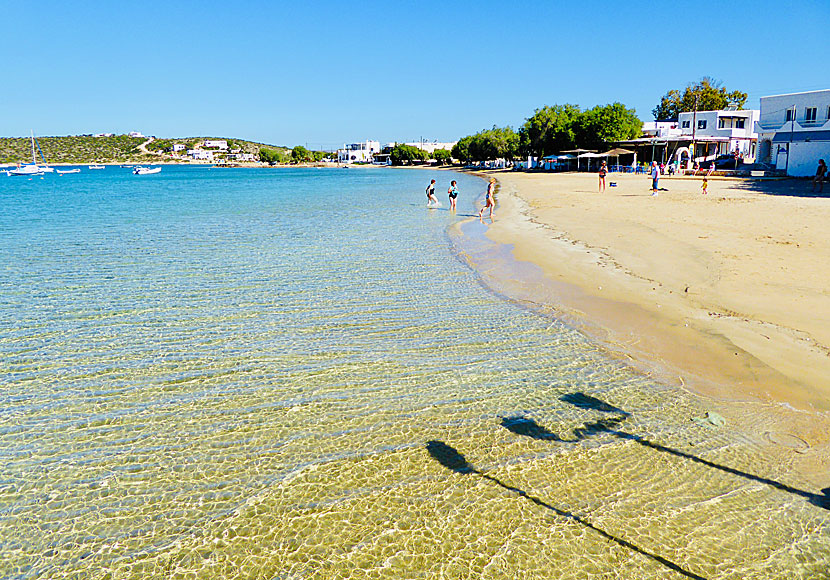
(552, 129)
(557, 128)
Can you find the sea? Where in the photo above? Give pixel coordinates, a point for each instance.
(303, 373)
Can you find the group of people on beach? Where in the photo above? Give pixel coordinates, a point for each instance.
(656, 170)
(452, 192)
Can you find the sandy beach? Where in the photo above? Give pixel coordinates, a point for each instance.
(724, 293)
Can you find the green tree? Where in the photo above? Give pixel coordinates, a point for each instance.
(300, 154)
(603, 124)
(495, 143)
(318, 155)
(461, 150)
(406, 154)
(705, 95)
(267, 155)
(442, 156)
(549, 130)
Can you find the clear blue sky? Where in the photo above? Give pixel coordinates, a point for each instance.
(321, 73)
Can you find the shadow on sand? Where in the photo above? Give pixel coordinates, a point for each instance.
(784, 187)
(450, 458)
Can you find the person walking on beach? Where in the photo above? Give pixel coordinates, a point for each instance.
(489, 200)
(821, 171)
(603, 171)
(453, 193)
(711, 169)
(655, 177)
(431, 199)
(704, 185)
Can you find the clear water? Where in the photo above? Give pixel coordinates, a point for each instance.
(289, 374)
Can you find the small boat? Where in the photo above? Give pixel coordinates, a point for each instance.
(96, 166)
(146, 170)
(64, 172)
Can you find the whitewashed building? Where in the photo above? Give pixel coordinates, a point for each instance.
(200, 154)
(178, 147)
(215, 144)
(358, 152)
(720, 132)
(794, 131)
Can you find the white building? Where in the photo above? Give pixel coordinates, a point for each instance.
(358, 152)
(200, 154)
(178, 147)
(136, 134)
(215, 144)
(720, 132)
(661, 129)
(794, 131)
(432, 146)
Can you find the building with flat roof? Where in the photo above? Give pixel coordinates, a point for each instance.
(358, 152)
(794, 131)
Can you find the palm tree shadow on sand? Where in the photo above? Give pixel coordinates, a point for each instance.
(450, 458)
(527, 427)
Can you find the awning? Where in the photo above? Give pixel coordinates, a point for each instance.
(579, 151)
(617, 152)
(801, 136)
(592, 155)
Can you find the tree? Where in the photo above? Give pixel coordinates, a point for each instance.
(442, 156)
(269, 155)
(461, 150)
(705, 95)
(300, 154)
(550, 130)
(318, 155)
(605, 124)
(495, 143)
(405, 154)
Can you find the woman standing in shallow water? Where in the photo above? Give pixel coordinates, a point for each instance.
(489, 200)
(453, 193)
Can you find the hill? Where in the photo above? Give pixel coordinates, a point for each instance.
(82, 149)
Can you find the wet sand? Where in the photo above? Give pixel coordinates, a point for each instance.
(725, 293)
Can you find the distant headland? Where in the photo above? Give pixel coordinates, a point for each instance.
(136, 148)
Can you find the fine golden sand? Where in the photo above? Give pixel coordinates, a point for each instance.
(727, 293)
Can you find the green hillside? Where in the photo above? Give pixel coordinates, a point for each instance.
(82, 149)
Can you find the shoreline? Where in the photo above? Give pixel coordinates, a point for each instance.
(635, 277)
(681, 341)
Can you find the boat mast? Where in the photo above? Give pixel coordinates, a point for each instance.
(34, 159)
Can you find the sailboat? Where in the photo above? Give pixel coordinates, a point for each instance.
(32, 168)
(27, 169)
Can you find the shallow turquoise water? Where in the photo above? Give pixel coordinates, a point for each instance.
(236, 373)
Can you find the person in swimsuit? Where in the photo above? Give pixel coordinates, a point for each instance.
(431, 199)
(453, 193)
(704, 185)
(603, 171)
(489, 200)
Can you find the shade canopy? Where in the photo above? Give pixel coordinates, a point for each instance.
(592, 155)
(616, 152)
(580, 151)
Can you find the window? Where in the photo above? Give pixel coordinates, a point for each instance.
(701, 124)
(810, 114)
(789, 114)
(721, 123)
(685, 124)
(739, 123)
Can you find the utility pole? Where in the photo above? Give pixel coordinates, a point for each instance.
(790, 146)
(694, 130)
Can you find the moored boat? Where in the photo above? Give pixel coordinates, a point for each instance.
(96, 166)
(65, 171)
(146, 170)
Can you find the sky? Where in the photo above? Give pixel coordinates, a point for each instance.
(323, 73)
